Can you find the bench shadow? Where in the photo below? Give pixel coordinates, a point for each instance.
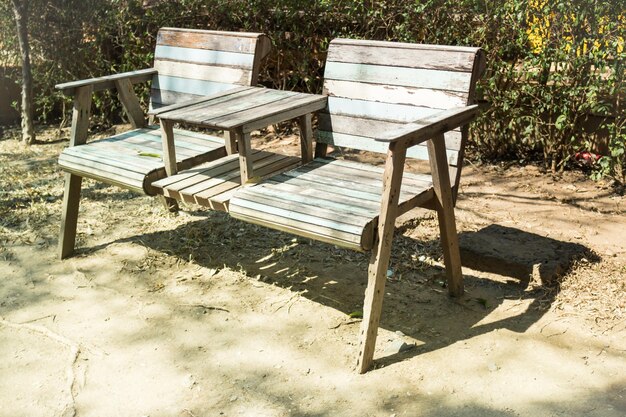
(416, 302)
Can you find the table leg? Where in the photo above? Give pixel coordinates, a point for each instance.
(169, 148)
(306, 138)
(230, 142)
(169, 159)
(245, 155)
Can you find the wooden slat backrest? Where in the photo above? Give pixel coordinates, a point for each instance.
(193, 63)
(376, 86)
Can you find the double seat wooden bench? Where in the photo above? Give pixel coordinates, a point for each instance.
(402, 100)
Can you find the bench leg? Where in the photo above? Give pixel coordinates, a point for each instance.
(379, 261)
(69, 215)
(445, 214)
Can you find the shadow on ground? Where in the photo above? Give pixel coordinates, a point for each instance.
(416, 302)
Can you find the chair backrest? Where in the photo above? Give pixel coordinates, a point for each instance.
(375, 86)
(193, 63)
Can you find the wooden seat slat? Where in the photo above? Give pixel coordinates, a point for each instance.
(200, 180)
(137, 163)
(362, 215)
(349, 177)
(268, 167)
(218, 176)
(316, 232)
(290, 215)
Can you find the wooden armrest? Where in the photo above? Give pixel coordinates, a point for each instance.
(431, 126)
(107, 82)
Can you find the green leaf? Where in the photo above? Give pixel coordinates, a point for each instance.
(151, 155)
(356, 315)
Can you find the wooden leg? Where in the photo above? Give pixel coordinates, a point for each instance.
(69, 215)
(321, 149)
(245, 156)
(169, 159)
(230, 141)
(445, 214)
(379, 261)
(306, 138)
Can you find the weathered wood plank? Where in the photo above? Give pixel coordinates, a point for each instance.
(130, 102)
(334, 237)
(349, 177)
(371, 145)
(423, 97)
(403, 55)
(80, 162)
(69, 215)
(106, 82)
(390, 75)
(288, 216)
(160, 98)
(222, 59)
(80, 115)
(306, 138)
(280, 110)
(188, 85)
(216, 176)
(223, 192)
(169, 147)
(360, 169)
(313, 202)
(377, 110)
(379, 260)
(208, 113)
(218, 97)
(445, 214)
(133, 163)
(241, 42)
(303, 190)
(202, 72)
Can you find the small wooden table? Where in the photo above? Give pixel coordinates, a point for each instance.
(238, 112)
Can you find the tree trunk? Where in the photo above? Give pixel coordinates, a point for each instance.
(20, 8)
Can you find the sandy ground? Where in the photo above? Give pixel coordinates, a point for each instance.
(201, 315)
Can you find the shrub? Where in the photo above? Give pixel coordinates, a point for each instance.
(555, 67)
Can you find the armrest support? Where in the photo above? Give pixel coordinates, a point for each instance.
(107, 82)
(431, 126)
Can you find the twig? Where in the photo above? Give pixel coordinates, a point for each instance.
(345, 323)
(54, 316)
(204, 306)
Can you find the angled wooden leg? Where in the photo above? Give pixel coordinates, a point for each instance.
(69, 215)
(71, 194)
(445, 214)
(379, 261)
(169, 159)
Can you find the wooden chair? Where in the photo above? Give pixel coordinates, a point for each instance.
(187, 64)
(405, 100)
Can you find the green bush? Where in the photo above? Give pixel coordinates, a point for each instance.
(554, 68)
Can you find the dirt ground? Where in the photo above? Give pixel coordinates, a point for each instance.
(201, 315)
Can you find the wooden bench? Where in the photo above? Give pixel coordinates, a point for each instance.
(188, 64)
(404, 100)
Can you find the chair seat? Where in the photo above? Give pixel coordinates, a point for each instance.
(331, 200)
(134, 159)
